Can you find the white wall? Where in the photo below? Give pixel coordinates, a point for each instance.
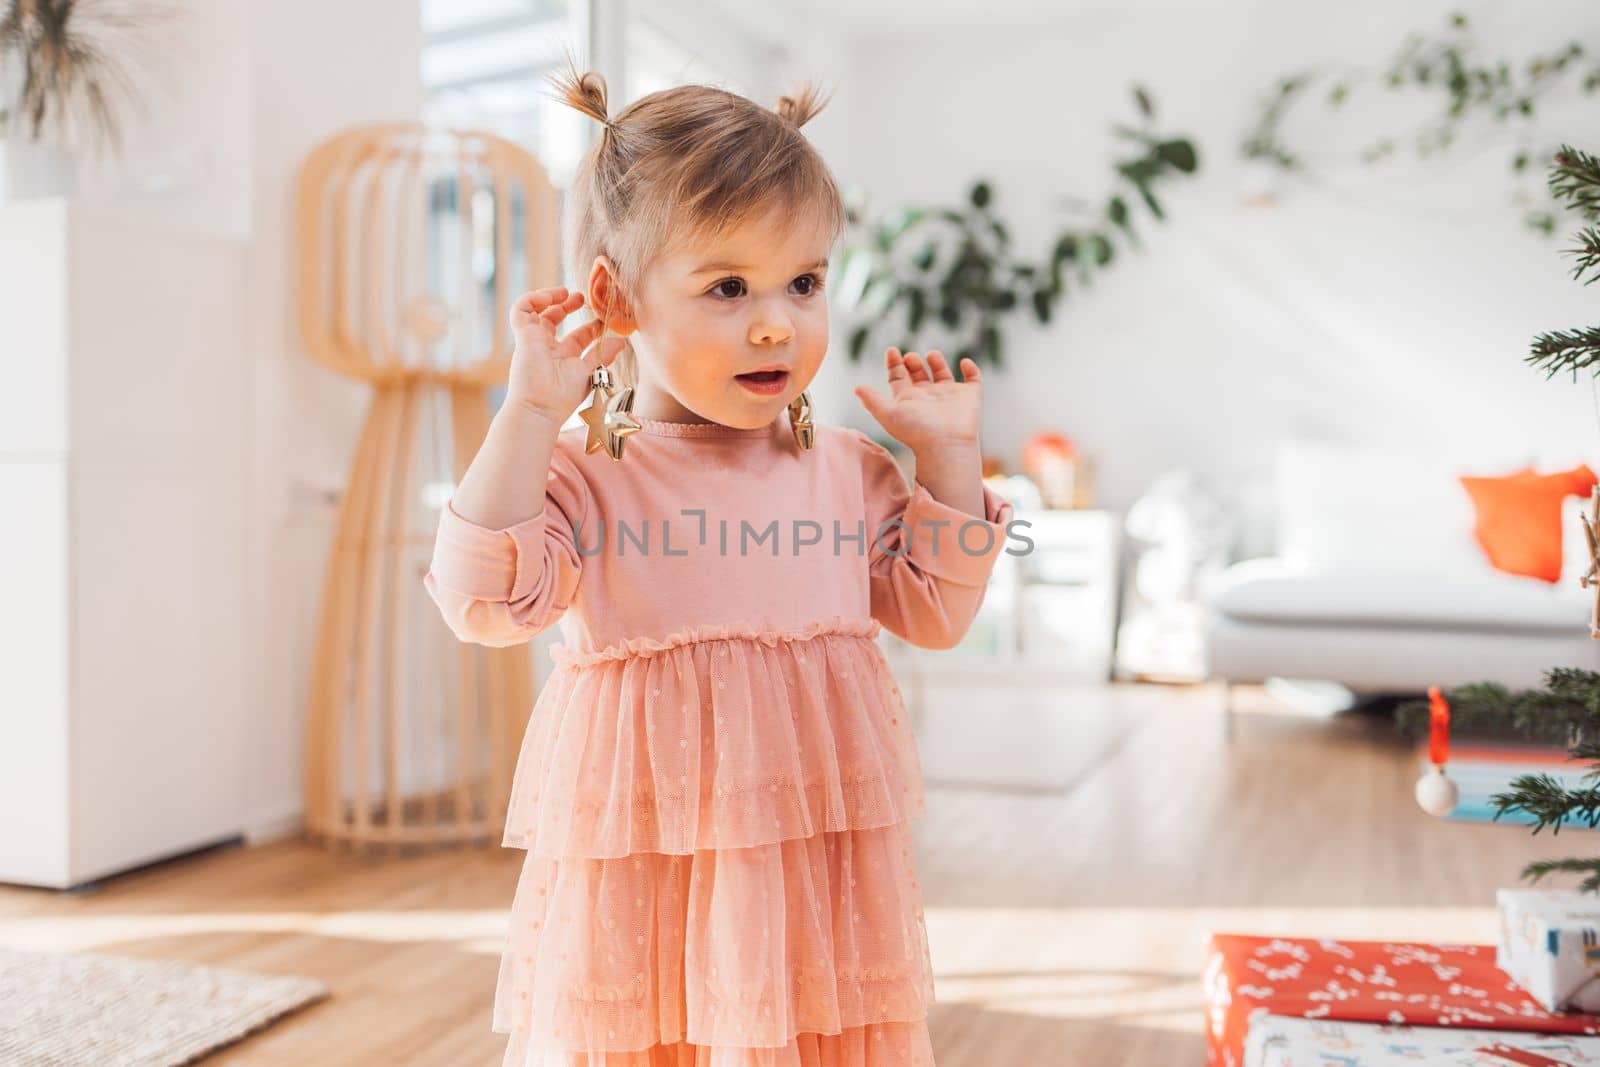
(251, 87)
(1366, 313)
(319, 67)
(190, 147)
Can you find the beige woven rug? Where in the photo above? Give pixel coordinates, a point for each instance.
(74, 1010)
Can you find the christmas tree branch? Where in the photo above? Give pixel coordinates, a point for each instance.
(1568, 706)
(1587, 254)
(1569, 350)
(1575, 178)
(1549, 802)
(1537, 870)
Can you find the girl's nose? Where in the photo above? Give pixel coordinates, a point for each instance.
(770, 329)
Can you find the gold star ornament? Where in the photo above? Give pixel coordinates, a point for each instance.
(609, 415)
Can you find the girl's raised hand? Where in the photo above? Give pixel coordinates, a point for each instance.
(926, 406)
(549, 374)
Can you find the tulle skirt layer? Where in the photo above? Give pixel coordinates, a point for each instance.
(805, 952)
(714, 740)
(873, 1045)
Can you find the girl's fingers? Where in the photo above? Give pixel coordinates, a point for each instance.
(894, 366)
(970, 371)
(914, 367)
(939, 368)
(535, 301)
(576, 342)
(556, 312)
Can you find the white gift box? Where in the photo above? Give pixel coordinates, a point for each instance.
(1287, 1041)
(1550, 946)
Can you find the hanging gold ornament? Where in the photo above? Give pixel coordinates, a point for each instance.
(620, 423)
(609, 415)
(805, 432)
(1591, 577)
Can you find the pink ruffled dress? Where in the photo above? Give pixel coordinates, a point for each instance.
(714, 786)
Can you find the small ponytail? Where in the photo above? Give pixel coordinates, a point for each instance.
(584, 91)
(802, 106)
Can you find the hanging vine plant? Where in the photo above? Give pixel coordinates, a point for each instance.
(953, 270)
(1505, 89)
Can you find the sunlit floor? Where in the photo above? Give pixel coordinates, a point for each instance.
(1078, 848)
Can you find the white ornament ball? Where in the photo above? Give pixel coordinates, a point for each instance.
(1436, 793)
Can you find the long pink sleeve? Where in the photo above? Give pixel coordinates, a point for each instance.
(927, 580)
(503, 587)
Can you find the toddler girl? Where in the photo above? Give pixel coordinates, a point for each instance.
(714, 788)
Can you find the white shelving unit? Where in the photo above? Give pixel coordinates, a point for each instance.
(124, 468)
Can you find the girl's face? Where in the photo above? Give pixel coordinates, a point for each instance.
(731, 331)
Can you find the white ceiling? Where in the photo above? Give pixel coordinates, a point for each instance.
(915, 14)
(441, 15)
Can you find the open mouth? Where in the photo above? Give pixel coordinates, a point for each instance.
(767, 382)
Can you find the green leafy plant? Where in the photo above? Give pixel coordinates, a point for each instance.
(953, 269)
(1447, 65)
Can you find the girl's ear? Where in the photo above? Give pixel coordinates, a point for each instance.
(606, 300)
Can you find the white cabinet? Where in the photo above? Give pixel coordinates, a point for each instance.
(1048, 613)
(1067, 592)
(124, 421)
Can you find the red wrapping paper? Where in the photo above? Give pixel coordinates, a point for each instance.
(1364, 981)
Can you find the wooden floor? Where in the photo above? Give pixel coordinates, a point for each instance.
(1079, 846)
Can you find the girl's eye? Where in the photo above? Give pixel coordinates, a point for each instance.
(809, 283)
(733, 288)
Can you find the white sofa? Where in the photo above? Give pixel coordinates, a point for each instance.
(1377, 583)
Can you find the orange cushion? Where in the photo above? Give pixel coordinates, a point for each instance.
(1519, 518)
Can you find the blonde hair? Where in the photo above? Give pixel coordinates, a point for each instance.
(686, 163)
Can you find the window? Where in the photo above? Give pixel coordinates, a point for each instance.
(484, 67)
(484, 64)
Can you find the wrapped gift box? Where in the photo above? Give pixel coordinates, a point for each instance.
(1364, 981)
(1281, 1041)
(1550, 945)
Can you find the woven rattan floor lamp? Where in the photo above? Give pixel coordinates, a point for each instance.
(412, 243)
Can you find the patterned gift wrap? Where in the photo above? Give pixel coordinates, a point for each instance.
(1283, 1041)
(1392, 982)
